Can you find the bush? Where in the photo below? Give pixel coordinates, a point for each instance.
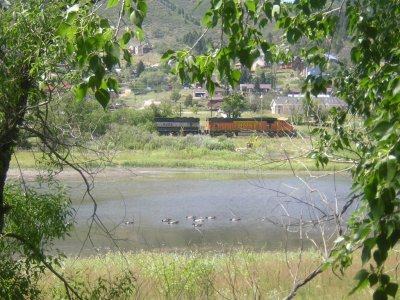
(33, 223)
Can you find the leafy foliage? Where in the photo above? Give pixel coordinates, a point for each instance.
(45, 47)
(371, 87)
(175, 96)
(29, 233)
(234, 105)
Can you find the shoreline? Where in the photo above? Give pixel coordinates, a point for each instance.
(123, 172)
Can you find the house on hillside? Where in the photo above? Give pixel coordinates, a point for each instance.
(141, 49)
(291, 104)
(200, 94)
(215, 103)
(246, 88)
(219, 92)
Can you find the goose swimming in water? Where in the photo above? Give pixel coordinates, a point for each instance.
(166, 220)
(197, 224)
(234, 219)
(211, 217)
(129, 222)
(191, 217)
(173, 222)
(199, 220)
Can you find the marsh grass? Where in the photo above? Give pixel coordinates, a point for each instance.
(205, 153)
(239, 274)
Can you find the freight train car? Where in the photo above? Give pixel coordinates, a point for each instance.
(178, 126)
(234, 126)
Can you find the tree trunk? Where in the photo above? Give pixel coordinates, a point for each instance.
(14, 117)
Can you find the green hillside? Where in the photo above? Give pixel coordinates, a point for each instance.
(168, 21)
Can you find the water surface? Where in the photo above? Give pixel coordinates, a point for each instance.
(266, 204)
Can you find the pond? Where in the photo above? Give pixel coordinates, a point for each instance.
(132, 207)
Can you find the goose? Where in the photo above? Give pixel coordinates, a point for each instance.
(199, 220)
(129, 222)
(197, 224)
(191, 217)
(211, 217)
(166, 220)
(234, 219)
(173, 222)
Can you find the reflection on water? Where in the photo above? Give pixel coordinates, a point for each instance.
(148, 197)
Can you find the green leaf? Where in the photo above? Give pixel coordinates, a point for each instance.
(113, 49)
(142, 7)
(373, 279)
(139, 34)
(112, 84)
(382, 127)
(80, 91)
(250, 5)
(380, 256)
(356, 55)
(65, 29)
(103, 97)
(112, 3)
(362, 277)
(128, 57)
(94, 62)
(317, 4)
(235, 76)
(168, 55)
(210, 86)
(125, 39)
(94, 82)
(384, 279)
(137, 18)
(293, 34)
(365, 255)
(391, 289)
(104, 23)
(109, 61)
(218, 5)
(391, 168)
(207, 20)
(379, 295)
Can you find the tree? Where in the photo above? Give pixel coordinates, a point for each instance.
(175, 96)
(47, 46)
(140, 68)
(234, 105)
(245, 75)
(370, 86)
(188, 100)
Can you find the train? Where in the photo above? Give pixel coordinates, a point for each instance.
(225, 126)
(177, 126)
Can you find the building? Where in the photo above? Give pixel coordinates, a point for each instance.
(249, 87)
(215, 103)
(293, 103)
(200, 94)
(141, 49)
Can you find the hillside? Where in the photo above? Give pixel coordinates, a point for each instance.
(168, 21)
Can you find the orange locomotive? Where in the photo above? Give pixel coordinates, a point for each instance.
(233, 126)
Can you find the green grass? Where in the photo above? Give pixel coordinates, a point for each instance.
(197, 152)
(239, 274)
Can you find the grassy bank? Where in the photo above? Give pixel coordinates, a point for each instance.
(204, 153)
(235, 275)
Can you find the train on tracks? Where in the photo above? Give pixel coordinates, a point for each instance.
(178, 126)
(225, 126)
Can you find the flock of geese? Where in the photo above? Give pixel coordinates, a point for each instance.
(196, 221)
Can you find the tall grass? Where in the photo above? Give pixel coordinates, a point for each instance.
(193, 275)
(133, 147)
